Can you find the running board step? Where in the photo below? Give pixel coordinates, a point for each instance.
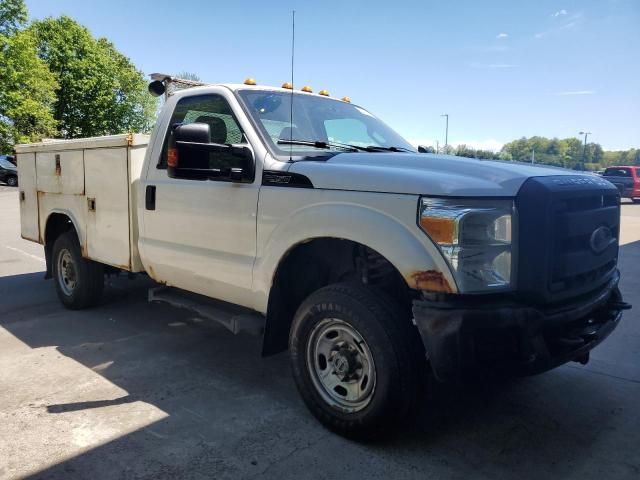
(236, 319)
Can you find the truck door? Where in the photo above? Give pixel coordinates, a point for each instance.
(622, 178)
(200, 235)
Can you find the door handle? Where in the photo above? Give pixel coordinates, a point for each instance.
(150, 197)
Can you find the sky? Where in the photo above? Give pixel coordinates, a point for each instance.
(501, 70)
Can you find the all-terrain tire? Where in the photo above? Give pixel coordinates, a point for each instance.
(79, 282)
(389, 338)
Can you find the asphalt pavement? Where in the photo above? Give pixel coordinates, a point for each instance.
(137, 390)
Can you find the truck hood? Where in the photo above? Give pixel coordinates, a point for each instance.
(421, 174)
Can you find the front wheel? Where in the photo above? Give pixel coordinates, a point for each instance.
(356, 360)
(79, 282)
(12, 181)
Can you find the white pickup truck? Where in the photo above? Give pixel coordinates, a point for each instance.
(317, 224)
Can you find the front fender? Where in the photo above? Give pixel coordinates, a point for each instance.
(385, 223)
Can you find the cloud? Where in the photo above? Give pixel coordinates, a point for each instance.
(559, 13)
(502, 35)
(569, 22)
(577, 92)
(567, 25)
(562, 27)
(492, 65)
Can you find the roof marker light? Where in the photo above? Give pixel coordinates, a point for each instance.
(250, 81)
(324, 93)
(287, 85)
(346, 99)
(307, 89)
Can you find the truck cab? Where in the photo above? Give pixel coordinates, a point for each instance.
(372, 264)
(627, 179)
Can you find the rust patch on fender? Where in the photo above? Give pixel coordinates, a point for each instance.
(431, 280)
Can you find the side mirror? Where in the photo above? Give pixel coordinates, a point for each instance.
(191, 154)
(422, 149)
(192, 132)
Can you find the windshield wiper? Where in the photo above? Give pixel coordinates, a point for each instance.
(374, 148)
(319, 144)
(345, 146)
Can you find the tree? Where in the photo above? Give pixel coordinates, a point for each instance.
(101, 92)
(13, 16)
(568, 153)
(189, 76)
(27, 92)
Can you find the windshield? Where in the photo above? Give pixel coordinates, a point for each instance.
(329, 125)
(4, 163)
(617, 172)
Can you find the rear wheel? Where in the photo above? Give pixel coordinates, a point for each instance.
(355, 360)
(12, 181)
(79, 282)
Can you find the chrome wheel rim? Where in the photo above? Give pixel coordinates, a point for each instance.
(66, 272)
(341, 365)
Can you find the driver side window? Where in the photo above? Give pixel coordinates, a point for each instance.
(214, 111)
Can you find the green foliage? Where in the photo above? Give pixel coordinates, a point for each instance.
(464, 151)
(27, 92)
(13, 16)
(622, 157)
(566, 152)
(189, 76)
(101, 92)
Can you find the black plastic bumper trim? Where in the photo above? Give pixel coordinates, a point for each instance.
(539, 338)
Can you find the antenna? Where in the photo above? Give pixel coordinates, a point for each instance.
(293, 47)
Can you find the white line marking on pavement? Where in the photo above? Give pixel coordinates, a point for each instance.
(35, 257)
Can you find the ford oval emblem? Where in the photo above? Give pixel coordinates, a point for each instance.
(600, 239)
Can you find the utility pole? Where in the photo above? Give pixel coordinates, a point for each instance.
(446, 132)
(584, 150)
(437, 146)
(533, 155)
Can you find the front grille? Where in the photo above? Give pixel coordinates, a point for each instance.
(562, 221)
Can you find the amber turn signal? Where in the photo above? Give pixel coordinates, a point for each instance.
(441, 230)
(172, 157)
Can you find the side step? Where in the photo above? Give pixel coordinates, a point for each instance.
(236, 319)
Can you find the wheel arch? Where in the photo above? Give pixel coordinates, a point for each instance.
(310, 265)
(57, 223)
(316, 238)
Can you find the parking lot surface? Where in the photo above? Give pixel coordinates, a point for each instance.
(137, 390)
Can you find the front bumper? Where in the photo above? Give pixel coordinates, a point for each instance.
(463, 335)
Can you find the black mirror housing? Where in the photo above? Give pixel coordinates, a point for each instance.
(192, 132)
(191, 151)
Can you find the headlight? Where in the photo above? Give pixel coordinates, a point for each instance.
(475, 236)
